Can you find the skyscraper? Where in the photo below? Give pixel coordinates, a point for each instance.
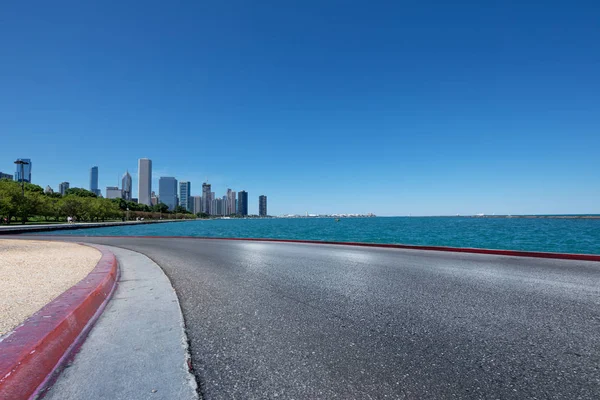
(23, 172)
(126, 186)
(243, 203)
(6, 176)
(185, 189)
(113, 192)
(231, 209)
(94, 180)
(196, 202)
(167, 191)
(262, 205)
(145, 181)
(62, 188)
(206, 200)
(219, 205)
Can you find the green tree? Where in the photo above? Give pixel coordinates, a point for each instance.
(30, 187)
(49, 207)
(181, 210)
(29, 205)
(71, 206)
(80, 192)
(160, 207)
(10, 199)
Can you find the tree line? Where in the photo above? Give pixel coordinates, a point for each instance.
(78, 203)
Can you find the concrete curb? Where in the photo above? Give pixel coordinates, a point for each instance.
(32, 356)
(511, 253)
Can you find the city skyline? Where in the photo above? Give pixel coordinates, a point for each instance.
(175, 193)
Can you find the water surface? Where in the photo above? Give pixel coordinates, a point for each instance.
(538, 234)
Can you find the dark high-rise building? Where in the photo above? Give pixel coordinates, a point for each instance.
(185, 188)
(242, 203)
(62, 188)
(167, 191)
(262, 205)
(23, 172)
(126, 186)
(94, 181)
(206, 198)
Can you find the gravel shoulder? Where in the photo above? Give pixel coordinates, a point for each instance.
(36, 272)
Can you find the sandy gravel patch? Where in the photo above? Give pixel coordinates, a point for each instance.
(33, 273)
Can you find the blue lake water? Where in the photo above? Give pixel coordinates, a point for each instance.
(540, 234)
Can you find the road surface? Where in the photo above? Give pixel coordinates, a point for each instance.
(269, 320)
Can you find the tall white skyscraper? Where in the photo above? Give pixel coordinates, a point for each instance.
(144, 181)
(230, 202)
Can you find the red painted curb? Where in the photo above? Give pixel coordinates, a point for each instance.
(512, 253)
(34, 352)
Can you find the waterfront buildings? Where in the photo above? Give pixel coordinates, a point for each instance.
(62, 188)
(206, 198)
(210, 202)
(167, 191)
(217, 206)
(185, 188)
(145, 181)
(196, 202)
(225, 205)
(242, 203)
(230, 202)
(23, 171)
(94, 181)
(126, 185)
(262, 205)
(113, 192)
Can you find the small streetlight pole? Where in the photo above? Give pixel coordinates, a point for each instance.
(22, 163)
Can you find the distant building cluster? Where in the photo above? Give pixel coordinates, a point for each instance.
(170, 192)
(174, 193)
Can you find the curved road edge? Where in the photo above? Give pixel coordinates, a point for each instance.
(139, 346)
(34, 353)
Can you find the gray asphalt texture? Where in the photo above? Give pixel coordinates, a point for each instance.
(297, 321)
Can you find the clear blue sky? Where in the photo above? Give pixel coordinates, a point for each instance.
(396, 108)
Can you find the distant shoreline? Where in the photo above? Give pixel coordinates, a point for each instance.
(537, 216)
(589, 216)
(566, 216)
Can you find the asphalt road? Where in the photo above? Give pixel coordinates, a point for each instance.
(269, 320)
